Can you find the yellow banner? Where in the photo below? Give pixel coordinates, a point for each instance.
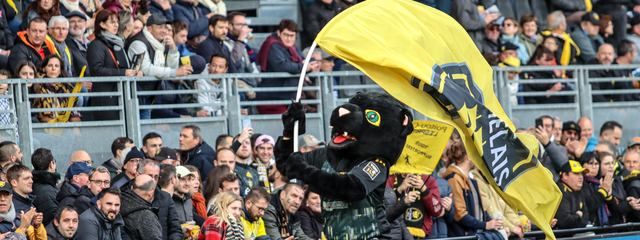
(423, 148)
(424, 58)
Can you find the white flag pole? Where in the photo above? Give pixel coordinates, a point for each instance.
(299, 93)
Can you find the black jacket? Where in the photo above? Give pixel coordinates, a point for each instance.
(618, 205)
(169, 99)
(154, 7)
(316, 16)
(184, 207)
(395, 210)
(82, 200)
(212, 45)
(311, 223)
(466, 13)
(141, 221)
(6, 37)
(44, 187)
(78, 56)
(23, 50)
(632, 186)
(21, 203)
(488, 46)
(101, 63)
(274, 224)
(54, 234)
(94, 225)
(543, 87)
(167, 215)
(568, 6)
(66, 189)
(572, 201)
(612, 84)
(188, 12)
(594, 199)
(201, 157)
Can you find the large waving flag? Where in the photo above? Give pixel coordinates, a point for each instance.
(424, 58)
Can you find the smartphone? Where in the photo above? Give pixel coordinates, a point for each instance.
(539, 122)
(245, 122)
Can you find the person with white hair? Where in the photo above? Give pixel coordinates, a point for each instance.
(557, 25)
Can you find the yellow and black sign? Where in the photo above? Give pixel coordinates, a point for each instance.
(423, 148)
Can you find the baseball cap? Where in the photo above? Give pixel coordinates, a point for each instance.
(571, 125)
(308, 140)
(591, 17)
(633, 141)
(264, 138)
(183, 172)
(165, 153)
(4, 186)
(574, 167)
(157, 19)
(77, 168)
(508, 46)
(510, 62)
(75, 14)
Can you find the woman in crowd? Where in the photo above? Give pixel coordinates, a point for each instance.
(596, 190)
(25, 70)
(618, 204)
(529, 35)
(138, 25)
(213, 183)
(510, 30)
(469, 214)
(225, 221)
(119, 5)
(125, 25)
(544, 57)
(310, 214)
(106, 57)
(53, 67)
(606, 31)
(40, 8)
(199, 206)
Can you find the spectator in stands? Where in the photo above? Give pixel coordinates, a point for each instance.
(572, 211)
(510, 30)
(166, 156)
(557, 128)
(212, 186)
(102, 220)
(570, 132)
(493, 205)
(129, 166)
(228, 182)
(225, 156)
(572, 9)
(216, 6)
(264, 151)
(241, 54)
(53, 67)
(45, 179)
(529, 35)
(557, 24)
(218, 65)
(247, 174)
(626, 54)
(151, 143)
(239, 31)
(40, 8)
(611, 131)
(58, 30)
(6, 168)
(76, 42)
(619, 204)
(138, 25)
(114, 165)
(634, 36)
(554, 156)
(25, 70)
(67, 6)
(508, 49)
(181, 196)
(214, 43)
(491, 41)
(80, 156)
(81, 199)
(276, 179)
(310, 214)
(141, 221)
(474, 20)
(6, 104)
(255, 204)
(318, 14)
(195, 151)
(605, 56)
(513, 77)
(119, 5)
(197, 17)
(31, 45)
(309, 143)
(395, 209)
(618, 11)
(278, 53)
(280, 219)
(631, 159)
(162, 7)
(596, 190)
(224, 141)
(21, 180)
(65, 224)
(77, 176)
(469, 214)
(163, 200)
(543, 57)
(585, 36)
(633, 145)
(6, 37)
(605, 34)
(429, 205)
(125, 24)
(225, 222)
(106, 56)
(12, 223)
(587, 127)
(9, 152)
(195, 189)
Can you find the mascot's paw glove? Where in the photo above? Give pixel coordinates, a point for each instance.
(294, 113)
(296, 167)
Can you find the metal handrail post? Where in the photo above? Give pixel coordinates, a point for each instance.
(503, 93)
(586, 99)
(328, 104)
(24, 121)
(132, 114)
(234, 111)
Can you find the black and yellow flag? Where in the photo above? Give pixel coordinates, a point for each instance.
(424, 58)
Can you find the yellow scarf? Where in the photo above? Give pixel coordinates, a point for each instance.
(588, 4)
(566, 49)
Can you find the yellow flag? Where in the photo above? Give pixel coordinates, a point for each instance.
(424, 58)
(423, 149)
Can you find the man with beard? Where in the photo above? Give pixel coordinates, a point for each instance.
(255, 205)
(81, 199)
(276, 179)
(102, 221)
(280, 219)
(76, 42)
(626, 54)
(181, 196)
(9, 152)
(64, 225)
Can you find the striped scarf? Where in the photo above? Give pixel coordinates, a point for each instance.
(235, 231)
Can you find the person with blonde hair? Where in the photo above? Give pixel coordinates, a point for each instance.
(224, 222)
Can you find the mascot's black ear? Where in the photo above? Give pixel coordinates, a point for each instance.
(407, 124)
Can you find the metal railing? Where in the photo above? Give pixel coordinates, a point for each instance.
(95, 137)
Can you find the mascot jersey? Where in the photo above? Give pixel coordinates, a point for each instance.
(368, 135)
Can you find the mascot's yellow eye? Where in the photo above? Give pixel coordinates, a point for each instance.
(373, 117)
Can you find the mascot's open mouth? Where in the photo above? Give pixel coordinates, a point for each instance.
(343, 140)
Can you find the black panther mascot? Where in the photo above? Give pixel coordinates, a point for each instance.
(368, 135)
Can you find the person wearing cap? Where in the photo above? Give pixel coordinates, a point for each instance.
(45, 180)
(633, 145)
(570, 132)
(557, 26)
(9, 220)
(634, 36)
(264, 158)
(76, 41)
(508, 49)
(129, 166)
(572, 211)
(510, 29)
(491, 41)
(514, 86)
(81, 199)
(585, 35)
(77, 176)
(181, 196)
(166, 155)
(308, 143)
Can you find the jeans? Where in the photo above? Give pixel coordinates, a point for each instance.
(83, 101)
(145, 114)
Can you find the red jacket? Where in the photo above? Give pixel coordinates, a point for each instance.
(431, 201)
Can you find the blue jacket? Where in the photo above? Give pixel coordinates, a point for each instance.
(185, 11)
(169, 99)
(154, 7)
(201, 157)
(211, 46)
(439, 227)
(279, 60)
(21, 203)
